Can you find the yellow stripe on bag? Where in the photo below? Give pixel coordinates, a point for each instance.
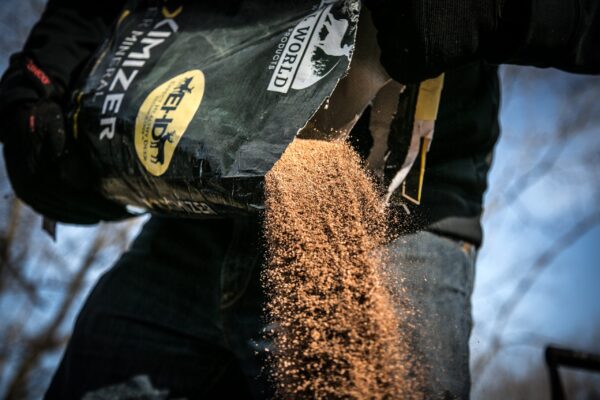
(76, 115)
(428, 100)
(122, 17)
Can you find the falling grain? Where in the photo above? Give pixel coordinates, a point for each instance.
(337, 333)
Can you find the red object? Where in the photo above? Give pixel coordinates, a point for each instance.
(32, 123)
(37, 72)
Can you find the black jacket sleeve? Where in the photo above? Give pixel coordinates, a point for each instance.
(564, 34)
(420, 39)
(59, 44)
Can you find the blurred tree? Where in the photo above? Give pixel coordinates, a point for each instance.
(17, 18)
(41, 286)
(545, 161)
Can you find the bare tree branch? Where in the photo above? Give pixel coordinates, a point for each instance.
(8, 238)
(49, 339)
(542, 262)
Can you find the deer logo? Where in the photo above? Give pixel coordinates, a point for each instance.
(313, 49)
(324, 52)
(159, 145)
(163, 118)
(185, 86)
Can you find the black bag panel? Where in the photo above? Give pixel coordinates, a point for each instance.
(263, 67)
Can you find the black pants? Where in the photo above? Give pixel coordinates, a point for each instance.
(183, 306)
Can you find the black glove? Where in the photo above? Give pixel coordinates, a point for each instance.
(46, 173)
(37, 132)
(45, 168)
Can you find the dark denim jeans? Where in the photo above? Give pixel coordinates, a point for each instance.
(438, 274)
(183, 307)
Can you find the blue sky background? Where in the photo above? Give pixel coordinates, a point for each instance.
(563, 304)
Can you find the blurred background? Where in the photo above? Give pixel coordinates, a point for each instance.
(538, 278)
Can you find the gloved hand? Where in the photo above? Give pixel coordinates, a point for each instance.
(46, 172)
(420, 39)
(37, 132)
(43, 164)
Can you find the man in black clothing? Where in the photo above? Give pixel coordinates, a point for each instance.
(183, 305)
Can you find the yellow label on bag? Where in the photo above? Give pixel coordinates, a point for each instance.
(164, 117)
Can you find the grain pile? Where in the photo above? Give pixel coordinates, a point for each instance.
(336, 333)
